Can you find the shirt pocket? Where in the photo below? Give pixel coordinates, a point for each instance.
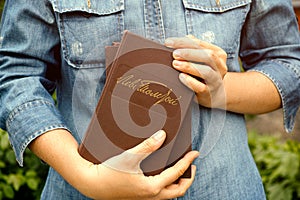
(86, 28)
(218, 22)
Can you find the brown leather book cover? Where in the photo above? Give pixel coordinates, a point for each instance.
(142, 95)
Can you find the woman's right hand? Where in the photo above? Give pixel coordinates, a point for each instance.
(120, 177)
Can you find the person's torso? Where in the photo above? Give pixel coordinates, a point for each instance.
(86, 27)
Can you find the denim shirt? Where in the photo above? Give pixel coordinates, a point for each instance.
(49, 45)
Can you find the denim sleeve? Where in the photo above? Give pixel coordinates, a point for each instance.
(271, 45)
(28, 47)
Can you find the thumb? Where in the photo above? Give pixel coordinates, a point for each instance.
(149, 145)
(129, 161)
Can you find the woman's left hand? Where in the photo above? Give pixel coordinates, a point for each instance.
(203, 67)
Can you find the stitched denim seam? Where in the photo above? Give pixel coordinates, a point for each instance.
(35, 135)
(222, 8)
(24, 107)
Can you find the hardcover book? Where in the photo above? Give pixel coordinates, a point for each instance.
(142, 95)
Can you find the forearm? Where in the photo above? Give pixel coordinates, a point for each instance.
(58, 148)
(250, 93)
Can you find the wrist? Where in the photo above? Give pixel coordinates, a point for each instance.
(59, 149)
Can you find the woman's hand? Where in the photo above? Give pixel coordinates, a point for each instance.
(203, 67)
(119, 177)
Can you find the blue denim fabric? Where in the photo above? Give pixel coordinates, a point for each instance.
(59, 44)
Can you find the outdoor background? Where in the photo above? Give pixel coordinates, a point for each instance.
(276, 153)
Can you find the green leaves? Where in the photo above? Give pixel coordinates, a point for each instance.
(15, 180)
(19, 182)
(279, 165)
(31, 180)
(7, 191)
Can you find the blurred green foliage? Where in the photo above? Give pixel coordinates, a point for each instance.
(1, 6)
(279, 165)
(19, 182)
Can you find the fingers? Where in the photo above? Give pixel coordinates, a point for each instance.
(179, 189)
(209, 76)
(215, 59)
(192, 83)
(129, 161)
(198, 70)
(190, 42)
(166, 180)
(170, 175)
(163, 186)
(183, 42)
(149, 145)
(194, 50)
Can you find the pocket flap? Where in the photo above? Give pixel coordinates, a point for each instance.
(214, 5)
(98, 7)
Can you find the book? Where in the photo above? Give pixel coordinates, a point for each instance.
(142, 95)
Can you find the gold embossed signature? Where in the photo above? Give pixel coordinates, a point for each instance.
(143, 86)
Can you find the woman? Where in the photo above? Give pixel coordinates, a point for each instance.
(59, 44)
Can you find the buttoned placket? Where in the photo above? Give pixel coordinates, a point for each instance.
(154, 24)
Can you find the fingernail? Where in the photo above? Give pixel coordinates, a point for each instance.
(159, 135)
(176, 53)
(182, 78)
(169, 42)
(177, 64)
